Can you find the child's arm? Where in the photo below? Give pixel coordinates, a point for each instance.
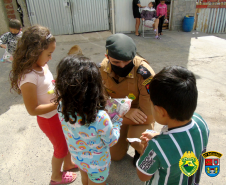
(29, 93)
(108, 131)
(165, 11)
(147, 164)
(139, 5)
(3, 40)
(143, 15)
(157, 11)
(145, 137)
(3, 46)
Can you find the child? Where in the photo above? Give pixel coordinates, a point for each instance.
(161, 14)
(87, 127)
(30, 76)
(9, 39)
(148, 15)
(173, 96)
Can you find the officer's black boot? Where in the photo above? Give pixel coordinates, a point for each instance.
(135, 158)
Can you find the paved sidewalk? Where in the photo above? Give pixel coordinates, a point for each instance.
(25, 154)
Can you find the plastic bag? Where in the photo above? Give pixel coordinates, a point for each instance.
(166, 21)
(117, 108)
(7, 57)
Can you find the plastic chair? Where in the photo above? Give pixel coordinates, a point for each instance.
(143, 26)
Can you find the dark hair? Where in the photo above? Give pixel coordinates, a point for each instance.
(153, 4)
(15, 24)
(174, 89)
(79, 88)
(29, 47)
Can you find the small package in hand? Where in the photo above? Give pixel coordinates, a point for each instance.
(7, 57)
(118, 107)
(166, 21)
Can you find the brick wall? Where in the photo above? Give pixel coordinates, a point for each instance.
(180, 9)
(9, 9)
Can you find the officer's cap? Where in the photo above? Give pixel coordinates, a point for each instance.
(120, 47)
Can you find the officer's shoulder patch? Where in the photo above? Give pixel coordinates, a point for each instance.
(144, 72)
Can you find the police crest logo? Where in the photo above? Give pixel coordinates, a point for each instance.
(189, 163)
(131, 96)
(212, 164)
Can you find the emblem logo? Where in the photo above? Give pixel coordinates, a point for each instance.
(189, 163)
(110, 91)
(131, 96)
(212, 164)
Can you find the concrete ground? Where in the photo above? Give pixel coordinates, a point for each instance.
(25, 154)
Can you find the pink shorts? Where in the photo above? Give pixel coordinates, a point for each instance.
(53, 130)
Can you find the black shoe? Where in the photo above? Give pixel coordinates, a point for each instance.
(135, 158)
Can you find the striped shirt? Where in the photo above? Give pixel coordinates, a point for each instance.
(163, 153)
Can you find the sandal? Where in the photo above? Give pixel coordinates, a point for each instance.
(157, 37)
(137, 35)
(76, 167)
(67, 178)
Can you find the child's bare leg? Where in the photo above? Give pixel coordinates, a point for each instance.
(93, 183)
(84, 177)
(137, 26)
(56, 169)
(68, 164)
(156, 24)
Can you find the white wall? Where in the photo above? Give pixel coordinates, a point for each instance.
(124, 21)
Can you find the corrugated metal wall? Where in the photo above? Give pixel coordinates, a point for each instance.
(52, 14)
(124, 21)
(69, 16)
(212, 20)
(90, 15)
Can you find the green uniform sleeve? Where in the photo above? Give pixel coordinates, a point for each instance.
(149, 161)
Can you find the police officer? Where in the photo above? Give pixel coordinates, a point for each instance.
(126, 74)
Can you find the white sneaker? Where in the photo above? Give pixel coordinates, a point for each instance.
(157, 37)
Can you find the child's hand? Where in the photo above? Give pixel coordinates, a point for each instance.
(3, 46)
(11, 58)
(146, 136)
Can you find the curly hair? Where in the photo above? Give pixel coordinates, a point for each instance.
(33, 42)
(79, 88)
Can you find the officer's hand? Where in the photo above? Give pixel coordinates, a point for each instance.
(136, 115)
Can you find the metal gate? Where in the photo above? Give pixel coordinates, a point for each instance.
(212, 20)
(69, 16)
(211, 17)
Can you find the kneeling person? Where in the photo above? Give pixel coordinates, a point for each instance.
(126, 74)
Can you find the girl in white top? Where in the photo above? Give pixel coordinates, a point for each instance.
(30, 76)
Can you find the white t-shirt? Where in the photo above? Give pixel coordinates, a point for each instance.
(44, 85)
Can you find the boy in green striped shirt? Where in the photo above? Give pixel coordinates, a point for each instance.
(173, 94)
